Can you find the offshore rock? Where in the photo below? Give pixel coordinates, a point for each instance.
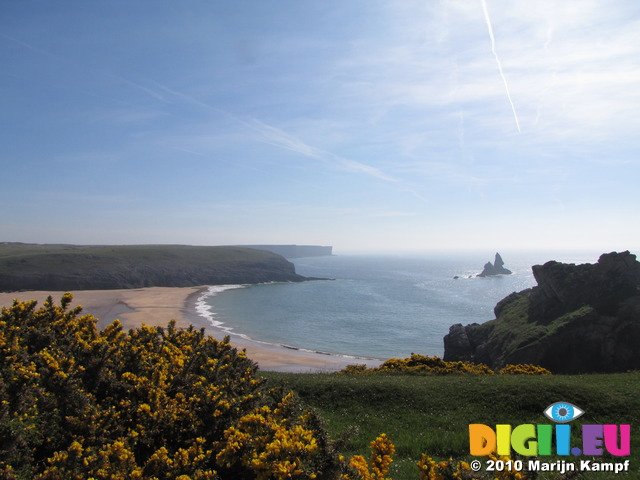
(495, 268)
(578, 319)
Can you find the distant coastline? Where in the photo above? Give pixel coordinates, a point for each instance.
(99, 267)
(294, 251)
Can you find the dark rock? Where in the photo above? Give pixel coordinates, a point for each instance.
(457, 343)
(603, 285)
(578, 319)
(488, 270)
(495, 268)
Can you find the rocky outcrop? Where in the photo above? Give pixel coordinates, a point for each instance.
(71, 267)
(578, 319)
(495, 268)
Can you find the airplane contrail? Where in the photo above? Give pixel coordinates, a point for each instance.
(495, 54)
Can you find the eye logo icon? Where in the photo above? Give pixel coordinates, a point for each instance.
(563, 412)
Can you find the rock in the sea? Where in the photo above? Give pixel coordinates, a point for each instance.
(495, 268)
(578, 319)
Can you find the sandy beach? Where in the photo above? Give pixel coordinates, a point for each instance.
(156, 306)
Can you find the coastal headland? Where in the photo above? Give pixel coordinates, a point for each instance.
(578, 319)
(153, 284)
(100, 267)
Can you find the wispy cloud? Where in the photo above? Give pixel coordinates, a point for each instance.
(155, 93)
(280, 138)
(26, 45)
(495, 54)
(565, 82)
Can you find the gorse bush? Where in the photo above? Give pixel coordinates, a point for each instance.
(461, 470)
(382, 450)
(377, 468)
(272, 442)
(523, 369)
(153, 403)
(425, 365)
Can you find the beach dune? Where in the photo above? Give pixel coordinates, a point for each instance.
(156, 306)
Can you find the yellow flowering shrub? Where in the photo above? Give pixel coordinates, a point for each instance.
(523, 369)
(461, 470)
(426, 365)
(443, 470)
(382, 450)
(151, 403)
(272, 443)
(420, 365)
(507, 473)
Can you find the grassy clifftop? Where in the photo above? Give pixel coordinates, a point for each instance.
(432, 413)
(74, 267)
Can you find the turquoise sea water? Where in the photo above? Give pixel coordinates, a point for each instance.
(378, 306)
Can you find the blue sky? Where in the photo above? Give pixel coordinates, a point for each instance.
(363, 124)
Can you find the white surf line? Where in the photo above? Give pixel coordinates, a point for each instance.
(495, 54)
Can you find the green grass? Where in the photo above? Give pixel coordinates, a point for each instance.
(432, 413)
(82, 267)
(21, 257)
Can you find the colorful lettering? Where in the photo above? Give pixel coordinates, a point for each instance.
(538, 440)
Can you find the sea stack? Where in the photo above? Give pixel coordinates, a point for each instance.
(495, 268)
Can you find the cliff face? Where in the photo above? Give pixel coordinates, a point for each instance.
(578, 319)
(70, 267)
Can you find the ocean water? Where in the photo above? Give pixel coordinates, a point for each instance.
(376, 306)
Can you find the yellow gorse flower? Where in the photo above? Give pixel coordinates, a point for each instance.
(147, 404)
(425, 365)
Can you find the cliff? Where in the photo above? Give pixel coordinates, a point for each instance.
(72, 267)
(294, 251)
(578, 319)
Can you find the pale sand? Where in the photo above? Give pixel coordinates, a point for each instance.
(156, 306)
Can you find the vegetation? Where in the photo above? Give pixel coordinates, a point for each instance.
(153, 403)
(73, 267)
(166, 403)
(425, 365)
(430, 414)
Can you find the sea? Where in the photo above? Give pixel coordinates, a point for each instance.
(374, 306)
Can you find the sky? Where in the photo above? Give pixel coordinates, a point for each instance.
(368, 125)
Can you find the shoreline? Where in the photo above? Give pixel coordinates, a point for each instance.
(269, 356)
(156, 306)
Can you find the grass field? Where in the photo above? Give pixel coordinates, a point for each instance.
(432, 413)
(21, 257)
